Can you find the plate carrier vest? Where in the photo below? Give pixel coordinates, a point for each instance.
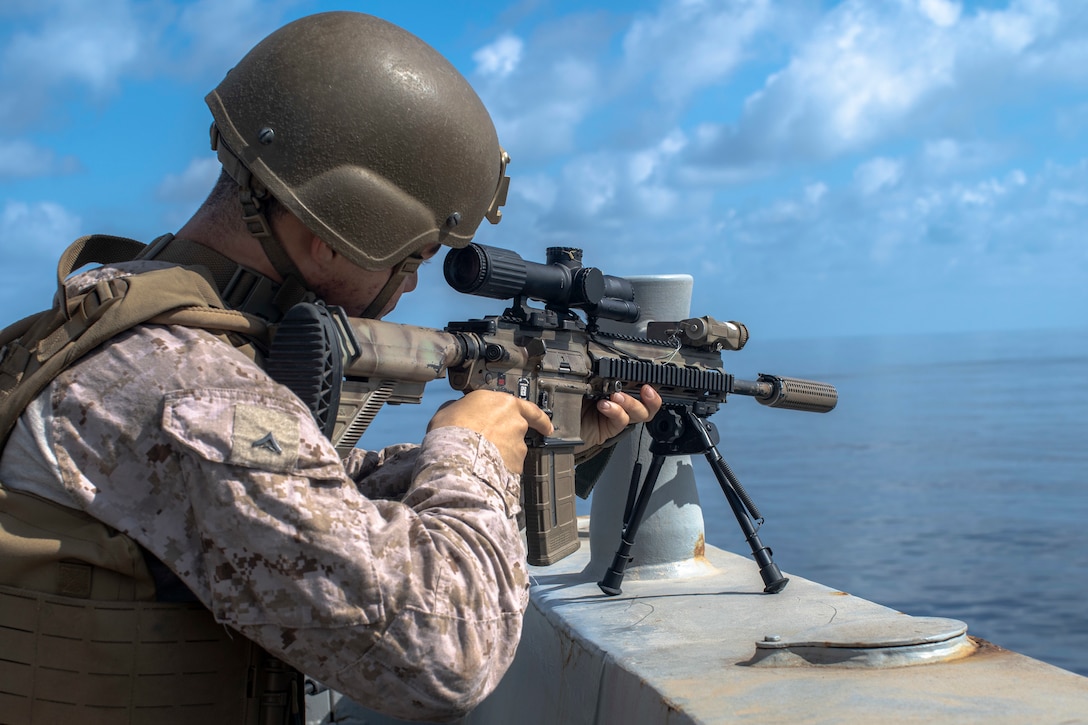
(82, 638)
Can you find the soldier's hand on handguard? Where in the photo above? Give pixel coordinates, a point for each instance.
(501, 418)
(608, 418)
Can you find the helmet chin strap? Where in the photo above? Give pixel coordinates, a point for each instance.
(251, 192)
(403, 268)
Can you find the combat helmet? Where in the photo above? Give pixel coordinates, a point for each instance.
(365, 133)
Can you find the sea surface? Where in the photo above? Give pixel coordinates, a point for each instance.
(951, 480)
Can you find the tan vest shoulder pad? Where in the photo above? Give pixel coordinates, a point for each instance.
(40, 347)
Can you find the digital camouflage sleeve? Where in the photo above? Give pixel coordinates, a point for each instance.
(397, 578)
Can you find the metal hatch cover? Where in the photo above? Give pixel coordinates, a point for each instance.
(878, 642)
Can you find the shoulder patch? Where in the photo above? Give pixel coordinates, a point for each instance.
(250, 429)
(264, 438)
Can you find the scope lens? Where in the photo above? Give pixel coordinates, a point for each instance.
(486, 271)
(464, 269)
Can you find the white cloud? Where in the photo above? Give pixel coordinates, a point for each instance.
(1061, 197)
(876, 174)
(1019, 25)
(35, 231)
(1073, 120)
(989, 192)
(500, 58)
(642, 164)
(22, 159)
(949, 156)
(815, 192)
(217, 33)
(597, 186)
(192, 184)
(657, 200)
(858, 75)
(944, 152)
(540, 190)
(32, 237)
(941, 12)
(896, 230)
(544, 124)
(89, 43)
(869, 72)
(544, 89)
(631, 136)
(687, 46)
(73, 48)
(611, 188)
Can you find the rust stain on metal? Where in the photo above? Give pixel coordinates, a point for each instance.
(700, 547)
(570, 656)
(986, 648)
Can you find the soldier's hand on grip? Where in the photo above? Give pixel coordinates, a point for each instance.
(501, 418)
(608, 418)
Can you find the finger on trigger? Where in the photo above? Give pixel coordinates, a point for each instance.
(537, 419)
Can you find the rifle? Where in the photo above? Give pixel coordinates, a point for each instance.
(558, 359)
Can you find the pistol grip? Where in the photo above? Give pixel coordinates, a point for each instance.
(551, 527)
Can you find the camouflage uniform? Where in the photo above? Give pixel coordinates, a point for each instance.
(396, 577)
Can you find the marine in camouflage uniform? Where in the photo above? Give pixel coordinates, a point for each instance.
(396, 576)
(165, 466)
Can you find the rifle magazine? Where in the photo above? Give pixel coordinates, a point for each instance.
(551, 525)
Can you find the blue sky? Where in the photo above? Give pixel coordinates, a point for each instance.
(819, 168)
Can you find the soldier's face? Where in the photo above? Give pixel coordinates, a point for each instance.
(354, 288)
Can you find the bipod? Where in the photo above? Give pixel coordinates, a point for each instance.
(683, 429)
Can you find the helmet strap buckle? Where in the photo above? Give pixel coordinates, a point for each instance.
(250, 193)
(405, 267)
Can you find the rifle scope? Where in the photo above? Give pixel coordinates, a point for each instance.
(561, 283)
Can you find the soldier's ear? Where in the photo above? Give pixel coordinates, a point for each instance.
(321, 252)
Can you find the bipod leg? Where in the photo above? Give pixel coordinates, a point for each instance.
(613, 577)
(741, 504)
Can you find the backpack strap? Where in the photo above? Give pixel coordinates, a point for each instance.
(100, 248)
(38, 348)
(96, 249)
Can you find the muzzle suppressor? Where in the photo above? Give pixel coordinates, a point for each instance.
(790, 393)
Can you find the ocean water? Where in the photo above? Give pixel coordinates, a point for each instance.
(951, 480)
